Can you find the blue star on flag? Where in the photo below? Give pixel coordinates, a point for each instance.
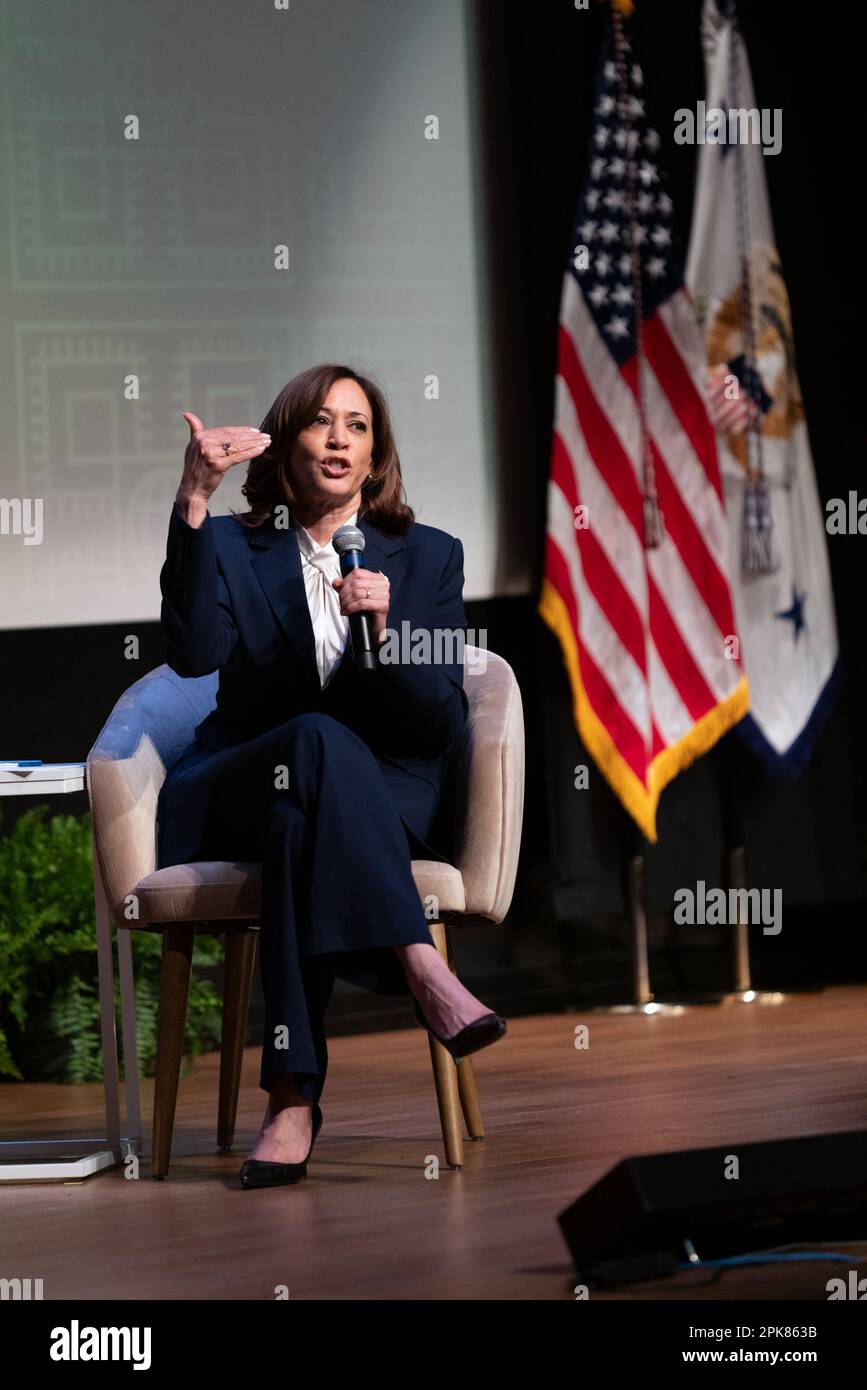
(795, 614)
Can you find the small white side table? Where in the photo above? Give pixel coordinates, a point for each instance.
(64, 1160)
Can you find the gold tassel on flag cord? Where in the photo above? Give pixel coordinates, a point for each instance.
(757, 552)
(654, 525)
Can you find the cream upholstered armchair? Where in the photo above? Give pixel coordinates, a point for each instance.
(146, 732)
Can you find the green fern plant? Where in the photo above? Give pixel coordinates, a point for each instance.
(49, 998)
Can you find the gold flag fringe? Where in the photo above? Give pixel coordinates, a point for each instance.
(639, 800)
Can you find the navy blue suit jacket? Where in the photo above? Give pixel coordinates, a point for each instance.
(234, 600)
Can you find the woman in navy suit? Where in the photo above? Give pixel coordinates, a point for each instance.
(332, 776)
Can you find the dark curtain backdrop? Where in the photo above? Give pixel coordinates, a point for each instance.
(806, 837)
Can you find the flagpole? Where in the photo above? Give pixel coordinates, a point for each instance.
(644, 1000)
(735, 878)
(733, 772)
(638, 918)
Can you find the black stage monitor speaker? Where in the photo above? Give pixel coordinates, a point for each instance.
(633, 1223)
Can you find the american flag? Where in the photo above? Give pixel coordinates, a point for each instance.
(647, 631)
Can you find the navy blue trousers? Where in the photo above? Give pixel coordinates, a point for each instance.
(309, 801)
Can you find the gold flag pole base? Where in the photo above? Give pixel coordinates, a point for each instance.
(649, 1009)
(753, 996)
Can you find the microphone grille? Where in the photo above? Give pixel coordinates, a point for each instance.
(347, 538)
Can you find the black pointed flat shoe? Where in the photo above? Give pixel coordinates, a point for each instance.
(478, 1034)
(257, 1172)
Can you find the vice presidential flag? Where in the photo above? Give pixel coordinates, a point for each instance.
(777, 549)
(642, 611)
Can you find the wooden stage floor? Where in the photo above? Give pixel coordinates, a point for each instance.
(367, 1223)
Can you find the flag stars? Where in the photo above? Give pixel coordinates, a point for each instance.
(794, 614)
(626, 212)
(617, 327)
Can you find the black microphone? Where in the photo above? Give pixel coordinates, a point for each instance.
(349, 543)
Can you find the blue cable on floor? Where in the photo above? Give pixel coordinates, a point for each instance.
(766, 1259)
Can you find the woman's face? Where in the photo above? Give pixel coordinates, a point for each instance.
(332, 456)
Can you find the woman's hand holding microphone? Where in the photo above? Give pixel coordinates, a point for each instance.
(209, 456)
(366, 591)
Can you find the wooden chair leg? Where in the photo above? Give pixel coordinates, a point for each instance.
(240, 957)
(466, 1075)
(446, 1077)
(448, 1102)
(177, 962)
(470, 1099)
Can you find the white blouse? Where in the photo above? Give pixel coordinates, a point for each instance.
(319, 565)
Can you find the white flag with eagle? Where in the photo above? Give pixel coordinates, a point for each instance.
(778, 563)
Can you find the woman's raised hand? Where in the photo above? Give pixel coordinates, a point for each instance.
(209, 456)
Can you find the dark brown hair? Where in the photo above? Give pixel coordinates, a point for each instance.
(268, 483)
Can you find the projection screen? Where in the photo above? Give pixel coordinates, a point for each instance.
(156, 158)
